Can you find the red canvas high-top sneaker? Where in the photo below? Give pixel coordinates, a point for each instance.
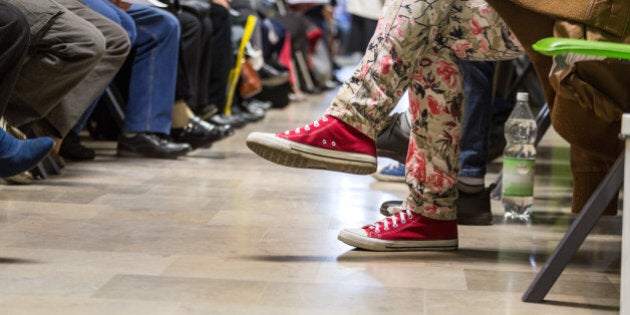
(403, 231)
(327, 143)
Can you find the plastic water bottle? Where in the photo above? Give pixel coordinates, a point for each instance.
(519, 157)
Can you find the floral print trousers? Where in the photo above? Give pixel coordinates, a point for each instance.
(417, 47)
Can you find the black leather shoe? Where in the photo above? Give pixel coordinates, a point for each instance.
(150, 145)
(199, 133)
(270, 76)
(393, 142)
(253, 104)
(472, 209)
(253, 115)
(232, 120)
(72, 149)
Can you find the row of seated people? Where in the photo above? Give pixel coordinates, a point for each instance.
(170, 67)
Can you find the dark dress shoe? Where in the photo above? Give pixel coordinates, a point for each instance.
(72, 149)
(240, 110)
(227, 130)
(254, 103)
(150, 145)
(232, 120)
(272, 76)
(199, 133)
(393, 142)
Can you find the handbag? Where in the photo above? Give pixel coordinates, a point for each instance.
(250, 83)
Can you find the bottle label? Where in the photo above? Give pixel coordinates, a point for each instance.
(518, 177)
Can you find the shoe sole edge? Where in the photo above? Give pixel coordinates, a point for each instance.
(293, 154)
(389, 178)
(380, 245)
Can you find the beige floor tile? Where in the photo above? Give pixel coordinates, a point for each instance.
(24, 305)
(222, 231)
(41, 260)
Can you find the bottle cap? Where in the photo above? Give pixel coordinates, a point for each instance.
(522, 96)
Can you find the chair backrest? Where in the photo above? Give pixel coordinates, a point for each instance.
(553, 46)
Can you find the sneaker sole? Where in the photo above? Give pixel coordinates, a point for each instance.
(480, 219)
(389, 178)
(391, 246)
(293, 154)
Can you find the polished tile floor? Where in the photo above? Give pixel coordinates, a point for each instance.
(224, 232)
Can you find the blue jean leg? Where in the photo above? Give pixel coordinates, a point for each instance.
(154, 71)
(110, 11)
(473, 155)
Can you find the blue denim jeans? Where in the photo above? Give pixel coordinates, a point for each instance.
(155, 43)
(477, 120)
(154, 71)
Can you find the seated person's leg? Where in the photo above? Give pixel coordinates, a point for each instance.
(190, 52)
(75, 104)
(473, 203)
(15, 156)
(594, 142)
(476, 122)
(186, 127)
(221, 58)
(71, 147)
(62, 55)
(14, 39)
(149, 110)
(587, 111)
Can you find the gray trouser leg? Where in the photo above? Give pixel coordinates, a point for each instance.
(74, 104)
(63, 53)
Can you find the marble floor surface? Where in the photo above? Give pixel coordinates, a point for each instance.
(224, 232)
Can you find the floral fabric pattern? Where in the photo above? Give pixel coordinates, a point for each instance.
(417, 47)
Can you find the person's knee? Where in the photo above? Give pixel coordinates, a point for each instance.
(92, 43)
(117, 42)
(74, 40)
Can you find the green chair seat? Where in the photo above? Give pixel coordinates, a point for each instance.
(559, 46)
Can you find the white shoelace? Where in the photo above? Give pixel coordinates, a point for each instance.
(403, 215)
(308, 127)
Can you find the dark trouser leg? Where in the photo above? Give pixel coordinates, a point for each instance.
(78, 100)
(190, 50)
(61, 58)
(14, 40)
(222, 56)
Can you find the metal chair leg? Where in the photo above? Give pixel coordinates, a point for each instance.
(577, 233)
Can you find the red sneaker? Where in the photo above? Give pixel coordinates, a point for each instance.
(328, 144)
(403, 231)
